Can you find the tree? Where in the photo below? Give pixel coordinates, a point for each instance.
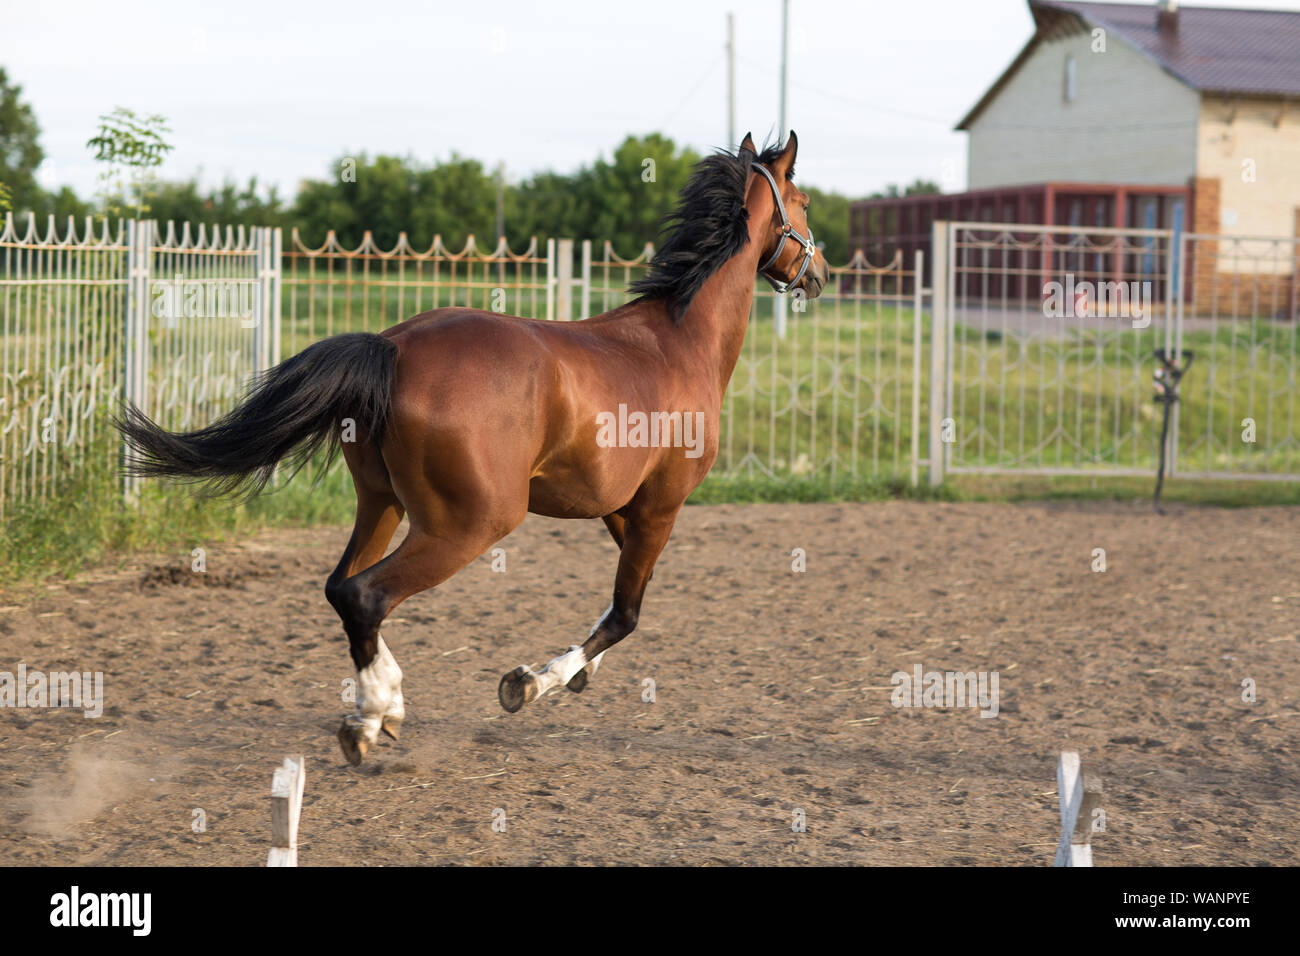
(828, 217)
(20, 151)
(391, 195)
(131, 147)
(455, 199)
(321, 206)
(230, 205)
(623, 199)
(61, 205)
(631, 194)
(918, 187)
(547, 204)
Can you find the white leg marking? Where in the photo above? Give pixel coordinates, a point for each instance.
(562, 669)
(379, 694)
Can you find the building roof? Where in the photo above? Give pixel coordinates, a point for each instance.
(1211, 49)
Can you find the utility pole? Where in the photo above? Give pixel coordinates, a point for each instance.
(501, 199)
(731, 81)
(778, 303)
(785, 56)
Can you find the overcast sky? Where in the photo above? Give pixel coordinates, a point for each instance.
(277, 90)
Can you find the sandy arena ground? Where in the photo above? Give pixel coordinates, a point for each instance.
(772, 694)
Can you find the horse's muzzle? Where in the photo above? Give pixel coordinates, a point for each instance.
(816, 279)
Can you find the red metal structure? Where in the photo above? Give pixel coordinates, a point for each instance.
(882, 227)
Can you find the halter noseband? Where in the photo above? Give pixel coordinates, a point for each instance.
(787, 232)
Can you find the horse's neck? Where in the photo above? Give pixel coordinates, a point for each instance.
(719, 313)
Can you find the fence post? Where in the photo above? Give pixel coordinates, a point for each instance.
(267, 332)
(277, 244)
(286, 807)
(1079, 794)
(586, 279)
(917, 299)
(1174, 316)
(550, 280)
(938, 346)
(564, 280)
(135, 378)
(260, 345)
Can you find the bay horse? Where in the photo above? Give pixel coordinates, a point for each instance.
(466, 420)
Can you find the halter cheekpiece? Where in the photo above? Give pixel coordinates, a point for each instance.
(787, 232)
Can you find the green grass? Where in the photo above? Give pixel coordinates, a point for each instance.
(1189, 491)
(87, 521)
(1086, 400)
(719, 488)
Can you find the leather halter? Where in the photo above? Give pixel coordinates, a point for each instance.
(787, 232)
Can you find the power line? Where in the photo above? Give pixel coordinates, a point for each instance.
(1043, 127)
(690, 96)
(848, 99)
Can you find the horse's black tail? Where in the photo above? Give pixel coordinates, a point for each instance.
(292, 411)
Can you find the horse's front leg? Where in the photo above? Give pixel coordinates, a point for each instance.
(644, 537)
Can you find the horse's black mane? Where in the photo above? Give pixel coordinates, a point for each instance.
(708, 227)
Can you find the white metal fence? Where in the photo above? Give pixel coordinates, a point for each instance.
(1021, 359)
(176, 323)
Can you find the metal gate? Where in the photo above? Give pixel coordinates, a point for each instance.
(1045, 340)
(202, 318)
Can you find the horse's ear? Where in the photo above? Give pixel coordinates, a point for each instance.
(785, 162)
(748, 151)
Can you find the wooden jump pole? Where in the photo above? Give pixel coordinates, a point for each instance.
(286, 806)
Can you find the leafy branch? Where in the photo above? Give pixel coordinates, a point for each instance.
(131, 147)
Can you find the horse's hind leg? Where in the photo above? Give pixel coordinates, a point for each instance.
(644, 536)
(429, 555)
(378, 515)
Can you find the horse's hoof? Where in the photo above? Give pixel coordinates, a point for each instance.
(354, 747)
(392, 726)
(578, 682)
(516, 689)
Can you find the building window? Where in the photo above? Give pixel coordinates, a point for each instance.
(1071, 80)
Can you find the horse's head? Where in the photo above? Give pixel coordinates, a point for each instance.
(790, 259)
